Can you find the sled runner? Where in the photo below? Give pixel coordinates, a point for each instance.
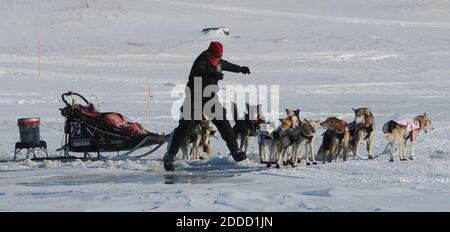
(88, 131)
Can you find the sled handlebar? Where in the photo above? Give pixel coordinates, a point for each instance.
(70, 93)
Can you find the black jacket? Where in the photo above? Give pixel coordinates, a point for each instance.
(209, 75)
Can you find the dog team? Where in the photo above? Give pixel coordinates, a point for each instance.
(286, 144)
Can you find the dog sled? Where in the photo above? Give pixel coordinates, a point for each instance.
(89, 131)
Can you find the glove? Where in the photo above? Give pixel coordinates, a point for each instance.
(244, 70)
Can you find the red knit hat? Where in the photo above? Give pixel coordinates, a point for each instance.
(216, 49)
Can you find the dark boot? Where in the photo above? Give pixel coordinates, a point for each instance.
(239, 156)
(169, 162)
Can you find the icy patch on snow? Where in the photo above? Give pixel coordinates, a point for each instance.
(220, 162)
(142, 165)
(149, 165)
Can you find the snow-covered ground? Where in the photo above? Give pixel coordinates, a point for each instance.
(327, 56)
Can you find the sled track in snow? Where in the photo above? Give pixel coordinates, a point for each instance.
(442, 25)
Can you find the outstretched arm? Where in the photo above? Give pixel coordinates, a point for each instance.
(227, 66)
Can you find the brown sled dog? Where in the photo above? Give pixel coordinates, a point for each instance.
(362, 128)
(335, 139)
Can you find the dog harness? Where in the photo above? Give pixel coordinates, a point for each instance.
(353, 129)
(309, 138)
(263, 136)
(328, 136)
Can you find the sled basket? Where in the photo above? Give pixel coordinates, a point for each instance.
(87, 130)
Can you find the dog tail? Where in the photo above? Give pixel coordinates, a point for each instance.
(389, 126)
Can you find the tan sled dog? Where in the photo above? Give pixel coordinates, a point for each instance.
(362, 128)
(402, 130)
(335, 139)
